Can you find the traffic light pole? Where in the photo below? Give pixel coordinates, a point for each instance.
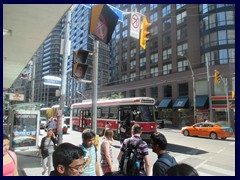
(209, 90)
(64, 75)
(95, 84)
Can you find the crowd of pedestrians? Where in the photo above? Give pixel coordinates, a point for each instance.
(71, 160)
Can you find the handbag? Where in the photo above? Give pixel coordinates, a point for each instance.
(45, 152)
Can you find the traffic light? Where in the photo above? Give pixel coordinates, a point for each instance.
(79, 66)
(217, 77)
(144, 32)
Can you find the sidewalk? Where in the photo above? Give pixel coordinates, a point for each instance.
(28, 162)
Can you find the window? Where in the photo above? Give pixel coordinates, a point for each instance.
(179, 6)
(166, 24)
(133, 52)
(143, 10)
(153, 31)
(142, 62)
(142, 92)
(154, 72)
(231, 36)
(142, 74)
(124, 34)
(154, 58)
(105, 112)
(222, 37)
(182, 65)
(132, 64)
(181, 17)
(167, 69)
(223, 57)
(166, 39)
(182, 33)
(154, 92)
(125, 22)
(167, 90)
(133, 76)
(132, 93)
(182, 49)
(153, 6)
(124, 56)
(166, 10)
(167, 53)
(113, 113)
(124, 78)
(153, 17)
(183, 89)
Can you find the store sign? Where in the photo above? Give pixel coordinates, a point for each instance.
(52, 80)
(16, 97)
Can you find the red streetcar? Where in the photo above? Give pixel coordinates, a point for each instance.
(116, 112)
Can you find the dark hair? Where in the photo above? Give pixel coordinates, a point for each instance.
(5, 137)
(115, 173)
(182, 170)
(88, 134)
(66, 153)
(136, 128)
(159, 139)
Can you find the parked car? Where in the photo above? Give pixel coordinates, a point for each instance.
(43, 122)
(208, 129)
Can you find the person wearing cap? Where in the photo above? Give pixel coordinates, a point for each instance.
(46, 149)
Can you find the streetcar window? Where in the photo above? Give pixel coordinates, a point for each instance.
(99, 113)
(113, 112)
(105, 112)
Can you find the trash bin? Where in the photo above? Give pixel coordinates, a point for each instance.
(161, 124)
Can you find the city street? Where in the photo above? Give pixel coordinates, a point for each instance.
(209, 157)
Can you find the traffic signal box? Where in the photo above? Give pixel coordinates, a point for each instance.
(144, 32)
(79, 66)
(217, 77)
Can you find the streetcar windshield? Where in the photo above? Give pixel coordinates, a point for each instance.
(138, 113)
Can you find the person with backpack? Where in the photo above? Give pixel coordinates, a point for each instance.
(46, 149)
(164, 161)
(134, 157)
(9, 159)
(92, 167)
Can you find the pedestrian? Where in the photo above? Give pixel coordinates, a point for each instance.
(46, 149)
(164, 161)
(68, 160)
(122, 132)
(52, 124)
(181, 170)
(92, 167)
(106, 152)
(143, 155)
(9, 159)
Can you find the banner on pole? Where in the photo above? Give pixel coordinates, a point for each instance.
(135, 25)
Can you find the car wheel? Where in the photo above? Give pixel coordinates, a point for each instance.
(186, 133)
(213, 135)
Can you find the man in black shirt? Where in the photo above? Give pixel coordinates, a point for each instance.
(164, 161)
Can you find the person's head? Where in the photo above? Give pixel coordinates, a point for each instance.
(68, 160)
(181, 170)
(115, 173)
(5, 144)
(136, 129)
(50, 132)
(158, 142)
(108, 134)
(88, 137)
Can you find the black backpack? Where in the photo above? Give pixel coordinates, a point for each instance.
(128, 160)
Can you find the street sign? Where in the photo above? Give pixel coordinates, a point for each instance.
(52, 80)
(118, 12)
(135, 25)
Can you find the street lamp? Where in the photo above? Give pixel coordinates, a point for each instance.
(194, 89)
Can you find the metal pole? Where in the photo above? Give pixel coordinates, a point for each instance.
(95, 83)
(228, 113)
(33, 76)
(194, 90)
(209, 90)
(64, 73)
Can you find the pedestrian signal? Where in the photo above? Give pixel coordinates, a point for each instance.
(79, 66)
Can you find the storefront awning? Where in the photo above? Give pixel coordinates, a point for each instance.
(201, 102)
(165, 103)
(181, 103)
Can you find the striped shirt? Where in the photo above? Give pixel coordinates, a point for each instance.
(90, 170)
(142, 148)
